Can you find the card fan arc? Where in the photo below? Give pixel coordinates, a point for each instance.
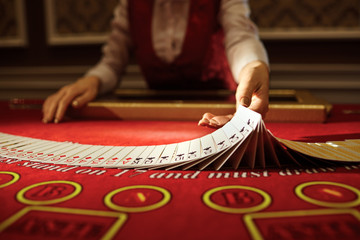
(243, 142)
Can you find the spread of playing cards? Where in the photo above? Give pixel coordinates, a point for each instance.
(242, 142)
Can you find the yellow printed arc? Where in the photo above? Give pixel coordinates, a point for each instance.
(15, 176)
(166, 198)
(299, 192)
(207, 200)
(256, 233)
(21, 194)
(109, 234)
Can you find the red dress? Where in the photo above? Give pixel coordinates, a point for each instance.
(202, 63)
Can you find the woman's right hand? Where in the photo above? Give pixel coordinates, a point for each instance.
(77, 94)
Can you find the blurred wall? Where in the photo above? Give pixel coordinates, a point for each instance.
(313, 45)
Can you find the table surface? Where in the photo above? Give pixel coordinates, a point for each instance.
(343, 123)
(45, 202)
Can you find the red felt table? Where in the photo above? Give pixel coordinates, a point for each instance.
(41, 202)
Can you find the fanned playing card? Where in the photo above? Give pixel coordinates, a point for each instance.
(243, 142)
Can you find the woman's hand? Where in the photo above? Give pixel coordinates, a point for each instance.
(252, 92)
(253, 88)
(210, 120)
(77, 94)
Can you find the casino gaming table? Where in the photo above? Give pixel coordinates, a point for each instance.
(70, 202)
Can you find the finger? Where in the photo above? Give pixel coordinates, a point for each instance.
(260, 105)
(50, 106)
(45, 111)
(63, 105)
(219, 121)
(208, 115)
(211, 120)
(260, 100)
(203, 122)
(206, 119)
(244, 93)
(83, 99)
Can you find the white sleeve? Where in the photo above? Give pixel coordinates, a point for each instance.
(115, 51)
(242, 42)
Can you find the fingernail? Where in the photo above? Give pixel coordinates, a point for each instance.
(245, 101)
(214, 122)
(75, 103)
(56, 120)
(45, 120)
(203, 122)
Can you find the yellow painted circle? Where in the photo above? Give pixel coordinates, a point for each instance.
(211, 204)
(16, 177)
(300, 194)
(21, 194)
(108, 199)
